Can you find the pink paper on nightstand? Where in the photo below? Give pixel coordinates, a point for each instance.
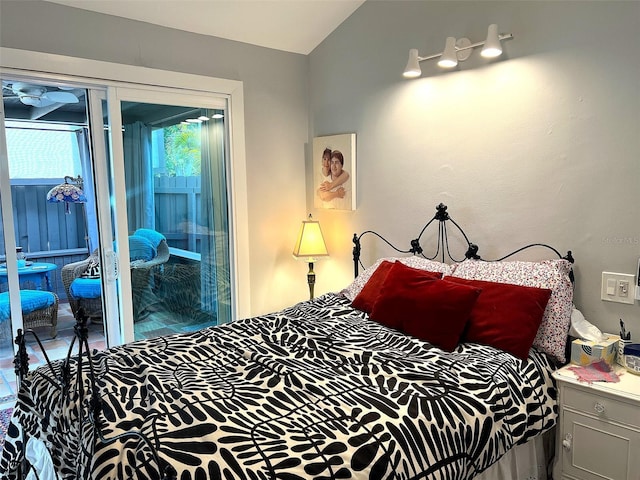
(598, 371)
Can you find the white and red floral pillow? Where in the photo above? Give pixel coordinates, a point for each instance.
(419, 263)
(552, 274)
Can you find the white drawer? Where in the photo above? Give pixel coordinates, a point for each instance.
(601, 406)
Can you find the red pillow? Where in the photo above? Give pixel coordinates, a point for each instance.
(367, 297)
(432, 310)
(505, 316)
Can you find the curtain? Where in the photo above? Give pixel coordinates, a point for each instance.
(215, 270)
(138, 176)
(89, 209)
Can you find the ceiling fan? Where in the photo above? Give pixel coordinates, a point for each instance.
(37, 95)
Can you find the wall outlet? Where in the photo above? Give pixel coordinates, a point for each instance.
(617, 287)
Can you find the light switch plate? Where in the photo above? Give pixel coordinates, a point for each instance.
(612, 290)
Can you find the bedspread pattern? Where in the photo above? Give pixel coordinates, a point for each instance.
(314, 391)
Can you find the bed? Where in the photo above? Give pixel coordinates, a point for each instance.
(321, 389)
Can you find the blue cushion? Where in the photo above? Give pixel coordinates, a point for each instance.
(86, 288)
(31, 300)
(141, 248)
(154, 237)
(5, 311)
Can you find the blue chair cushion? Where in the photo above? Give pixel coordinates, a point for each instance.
(141, 248)
(86, 288)
(154, 237)
(31, 300)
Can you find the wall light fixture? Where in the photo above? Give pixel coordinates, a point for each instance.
(458, 50)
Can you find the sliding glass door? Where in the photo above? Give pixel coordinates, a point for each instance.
(49, 223)
(151, 161)
(136, 233)
(174, 188)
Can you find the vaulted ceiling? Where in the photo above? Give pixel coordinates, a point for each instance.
(291, 25)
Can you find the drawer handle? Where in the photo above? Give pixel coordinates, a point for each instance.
(566, 443)
(599, 408)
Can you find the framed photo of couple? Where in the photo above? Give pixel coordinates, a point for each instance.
(334, 172)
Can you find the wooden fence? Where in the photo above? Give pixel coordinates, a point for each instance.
(177, 207)
(47, 234)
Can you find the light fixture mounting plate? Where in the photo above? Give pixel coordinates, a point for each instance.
(463, 55)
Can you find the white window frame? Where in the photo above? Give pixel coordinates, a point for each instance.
(15, 62)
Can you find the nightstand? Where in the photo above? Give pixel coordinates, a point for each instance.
(598, 433)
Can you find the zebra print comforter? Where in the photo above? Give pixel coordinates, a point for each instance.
(314, 391)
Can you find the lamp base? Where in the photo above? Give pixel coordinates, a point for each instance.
(311, 280)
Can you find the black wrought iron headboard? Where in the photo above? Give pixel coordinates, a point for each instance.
(442, 247)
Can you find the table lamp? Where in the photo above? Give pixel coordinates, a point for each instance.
(310, 247)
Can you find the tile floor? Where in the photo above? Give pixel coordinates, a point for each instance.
(56, 348)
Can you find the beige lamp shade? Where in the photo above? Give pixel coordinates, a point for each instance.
(310, 245)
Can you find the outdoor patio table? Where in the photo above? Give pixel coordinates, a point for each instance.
(33, 276)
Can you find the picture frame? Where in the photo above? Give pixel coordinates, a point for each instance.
(331, 188)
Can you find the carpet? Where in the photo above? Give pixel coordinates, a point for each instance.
(5, 418)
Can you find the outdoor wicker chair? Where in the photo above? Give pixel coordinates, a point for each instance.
(92, 306)
(141, 282)
(39, 309)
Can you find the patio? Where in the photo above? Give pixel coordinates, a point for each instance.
(56, 348)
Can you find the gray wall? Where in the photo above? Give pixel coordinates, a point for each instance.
(276, 116)
(543, 145)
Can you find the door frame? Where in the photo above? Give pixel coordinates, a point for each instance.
(150, 95)
(6, 203)
(99, 74)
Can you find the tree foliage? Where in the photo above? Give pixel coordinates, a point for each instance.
(182, 149)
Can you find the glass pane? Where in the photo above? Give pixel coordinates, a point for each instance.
(177, 212)
(49, 162)
(7, 375)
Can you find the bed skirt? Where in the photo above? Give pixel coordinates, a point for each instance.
(524, 462)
